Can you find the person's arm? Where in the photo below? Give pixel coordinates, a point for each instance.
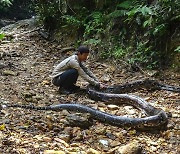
(88, 72)
(75, 64)
(101, 85)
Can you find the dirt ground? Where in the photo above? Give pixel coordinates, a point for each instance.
(26, 62)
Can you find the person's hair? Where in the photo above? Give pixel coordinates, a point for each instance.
(83, 49)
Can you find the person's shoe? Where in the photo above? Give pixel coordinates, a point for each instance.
(75, 88)
(65, 91)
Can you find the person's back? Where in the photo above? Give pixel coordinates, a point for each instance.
(62, 66)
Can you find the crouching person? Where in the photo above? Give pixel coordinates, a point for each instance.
(66, 72)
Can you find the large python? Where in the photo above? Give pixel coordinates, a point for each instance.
(156, 118)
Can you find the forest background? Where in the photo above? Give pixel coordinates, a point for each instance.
(141, 33)
(130, 40)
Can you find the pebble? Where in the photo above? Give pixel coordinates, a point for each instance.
(131, 148)
(9, 72)
(129, 109)
(92, 151)
(105, 143)
(79, 120)
(65, 137)
(176, 115)
(47, 139)
(153, 148)
(2, 65)
(113, 107)
(100, 130)
(61, 141)
(53, 152)
(154, 143)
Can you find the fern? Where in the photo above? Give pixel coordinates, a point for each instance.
(125, 4)
(116, 14)
(177, 49)
(6, 3)
(71, 20)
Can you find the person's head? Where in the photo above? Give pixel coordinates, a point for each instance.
(83, 53)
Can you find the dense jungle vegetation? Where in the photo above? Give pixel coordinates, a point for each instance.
(131, 41)
(140, 32)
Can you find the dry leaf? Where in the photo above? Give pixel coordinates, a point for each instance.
(2, 127)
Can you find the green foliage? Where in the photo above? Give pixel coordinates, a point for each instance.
(177, 49)
(2, 36)
(116, 26)
(93, 42)
(125, 5)
(71, 20)
(154, 26)
(116, 52)
(5, 4)
(95, 25)
(116, 14)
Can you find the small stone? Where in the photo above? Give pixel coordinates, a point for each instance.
(164, 144)
(113, 107)
(176, 115)
(51, 96)
(120, 135)
(75, 145)
(79, 120)
(105, 143)
(53, 152)
(115, 143)
(154, 143)
(132, 132)
(129, 110)
(73, 150)
(36, 146)
(92, 151)
(106, 78)
(9, 72)
(100, 131)
(65, 137)
(153, 148)
(47, 139)
(1, 135)
(110, 135)
(61, 141)
(2, 65)
(45, 82)
(131, 148)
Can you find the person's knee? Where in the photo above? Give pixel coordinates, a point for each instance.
(56, 81)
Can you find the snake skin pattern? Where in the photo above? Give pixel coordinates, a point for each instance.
(120, 121)
(156, 118)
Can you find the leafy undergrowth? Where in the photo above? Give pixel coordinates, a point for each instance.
(27, 61)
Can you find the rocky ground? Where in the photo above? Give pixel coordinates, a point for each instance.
(27, 60)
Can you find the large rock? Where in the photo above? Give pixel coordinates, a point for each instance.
(131, 148)
(82, 120)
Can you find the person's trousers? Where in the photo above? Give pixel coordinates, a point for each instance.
(67, 79)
